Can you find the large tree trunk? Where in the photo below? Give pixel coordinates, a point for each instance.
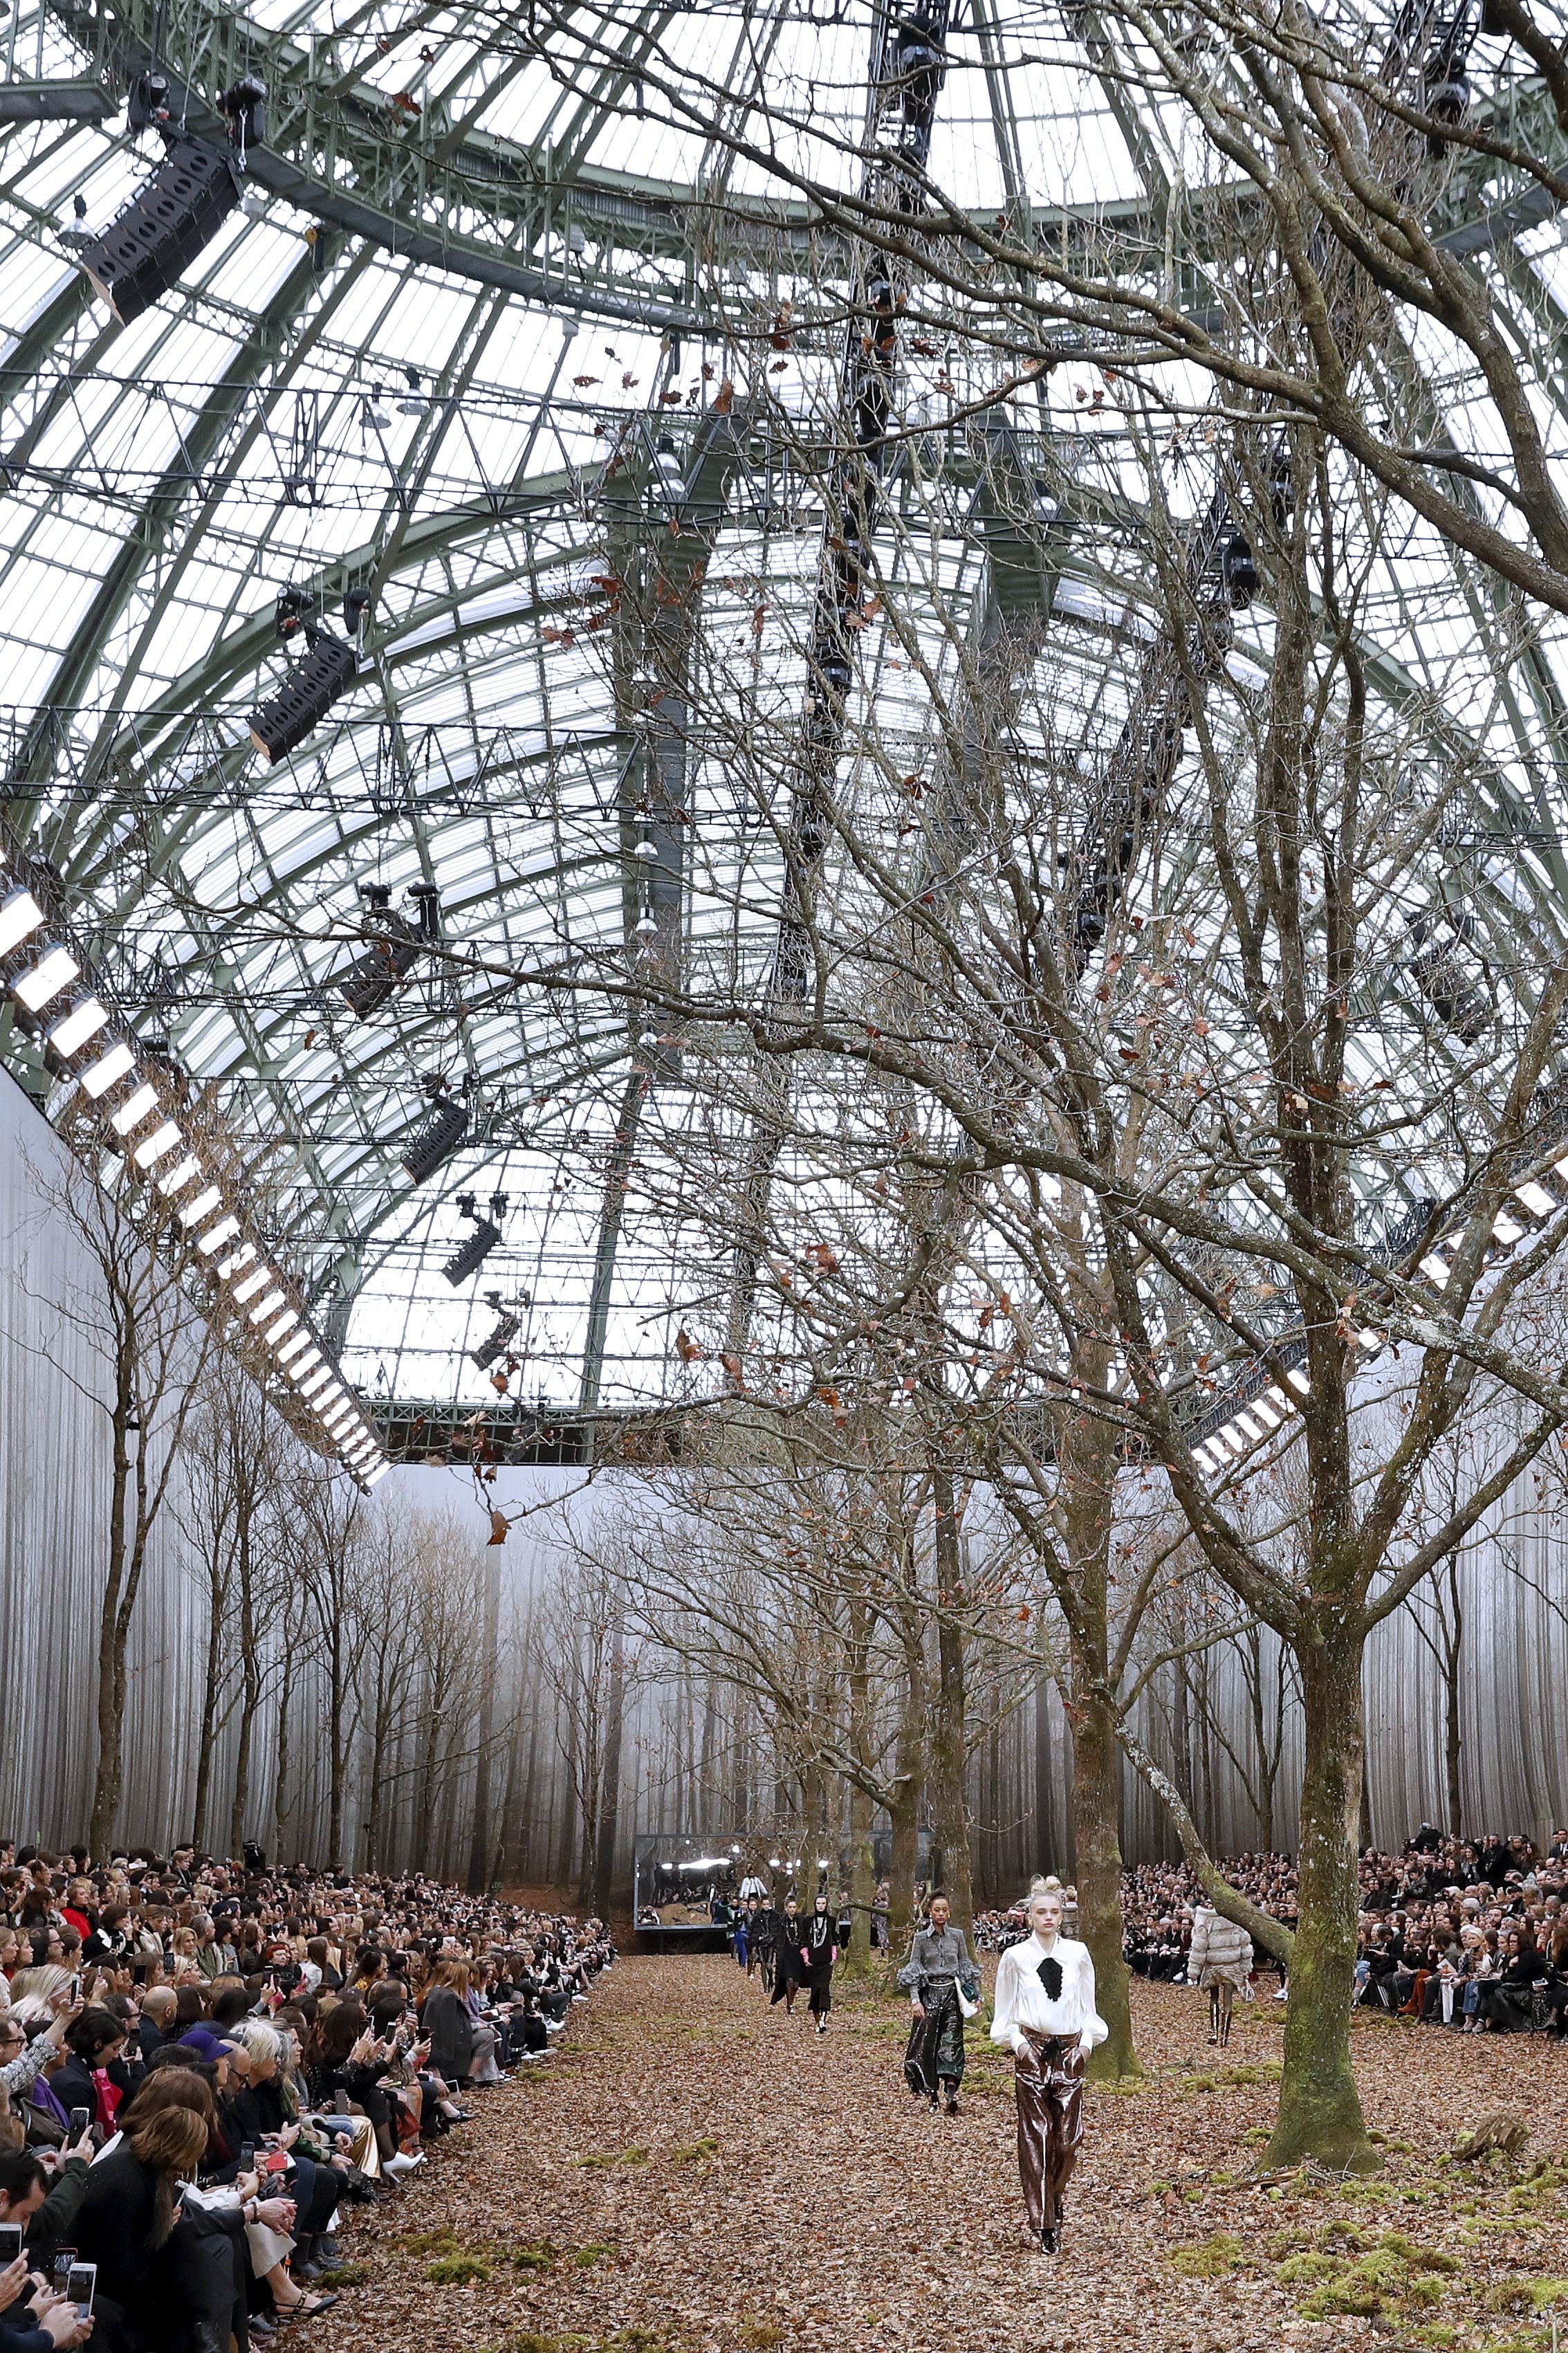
(1097, 1810)
(207, 1740)
(479, 1844)
(1045, 1811)
(1089, 1488)
(904, 1813)
(250, 1692)
(111, 1656)
(1320, 2110)
(950, 1823)
(610, 1809)
(280, 1780)
(862, 1879)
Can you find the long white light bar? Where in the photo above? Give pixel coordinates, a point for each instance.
(135, 1109)
(108, 1068)
(159, 1145)
(20, 916)
(73, 1029)
(290, 1342)
(185, 1172)
(54, 973)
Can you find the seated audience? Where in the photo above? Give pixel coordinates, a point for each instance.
(256, 2055)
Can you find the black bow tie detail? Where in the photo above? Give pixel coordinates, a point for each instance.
(1051, 1976)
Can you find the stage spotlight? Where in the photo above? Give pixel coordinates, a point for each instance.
(389, 960)
(143, 251)
(435, 1141)
(1237, 568)
(500, 1338)
(473, 1253)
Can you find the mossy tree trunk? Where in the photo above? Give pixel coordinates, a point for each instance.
(1089, 1465)
(1320, 2109)
(1097, 1805)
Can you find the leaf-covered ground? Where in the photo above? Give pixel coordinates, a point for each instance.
(697, 2173)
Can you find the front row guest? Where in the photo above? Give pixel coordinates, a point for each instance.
(1044, 2015)
(938, 1970)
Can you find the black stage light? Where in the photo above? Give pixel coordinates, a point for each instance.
(500, 1339)
(389, 959)
(246, 107)
(148, 101)
(472, 1256)
(328, 671)
(437, 1141)
(1238, 569)
(143, 252)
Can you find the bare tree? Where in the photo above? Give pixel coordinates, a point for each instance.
(146, 1342)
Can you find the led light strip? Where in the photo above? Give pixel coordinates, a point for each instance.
(36, 970)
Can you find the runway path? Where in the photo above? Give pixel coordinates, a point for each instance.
(697, 2171)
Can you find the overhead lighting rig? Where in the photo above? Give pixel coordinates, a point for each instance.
(437, 1141)
(329, 669)
(472, 1256)
(508, 1326)
(147, 247)
(396, 945)
(136, 1098)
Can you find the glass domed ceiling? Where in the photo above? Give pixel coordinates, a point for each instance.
(479, 248)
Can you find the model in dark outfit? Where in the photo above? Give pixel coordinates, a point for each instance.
(764, 1942)
(788, 1969)
(818, 1953)
(938, 1968)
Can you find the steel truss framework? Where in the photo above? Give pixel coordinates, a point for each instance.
(421, 219)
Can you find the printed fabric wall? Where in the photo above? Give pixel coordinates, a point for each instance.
(54, 1490)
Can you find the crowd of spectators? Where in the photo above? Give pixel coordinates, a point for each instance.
(205, 2067)
(1469, 1933)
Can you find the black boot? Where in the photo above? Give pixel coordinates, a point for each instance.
(1050, 2240)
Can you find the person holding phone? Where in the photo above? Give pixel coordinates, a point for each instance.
(33, 2318)
(24, 2047)
(42, 2194)
(127, 2217)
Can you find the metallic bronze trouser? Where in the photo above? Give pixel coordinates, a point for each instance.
(1048, 2087)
